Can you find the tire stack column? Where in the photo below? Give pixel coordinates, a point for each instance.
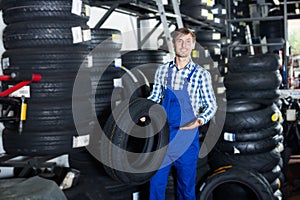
(49, 38)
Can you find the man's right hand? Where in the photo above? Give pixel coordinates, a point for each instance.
(143, 119)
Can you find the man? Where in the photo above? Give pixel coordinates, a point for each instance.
(185, 91)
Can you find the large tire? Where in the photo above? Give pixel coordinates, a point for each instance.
(37, 10)
(262, 162)
(253, 80)
(54, 87)
(45, 34)
(242, 105)
(243, 136)
(251, 120)
(256, 185)
(133, 59)
(266, 96)
(132, 171)
(38, 142)
(254, 63)
(108, 39)
(50, 116)
(246, 148)
(41, 60)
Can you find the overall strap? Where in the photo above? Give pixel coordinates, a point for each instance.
(169, 77)
(190, 75)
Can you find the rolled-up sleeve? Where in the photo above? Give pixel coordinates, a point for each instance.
(156, 93)
(208, 98)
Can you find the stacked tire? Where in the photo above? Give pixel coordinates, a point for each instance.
(211, 41)
(49, 38)
(252, 133)
(275, 29)
(198, 9)
(105, 70)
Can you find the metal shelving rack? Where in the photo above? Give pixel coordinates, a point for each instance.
(146, 9)
(231, 21)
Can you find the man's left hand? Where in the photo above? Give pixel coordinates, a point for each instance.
(192, 125)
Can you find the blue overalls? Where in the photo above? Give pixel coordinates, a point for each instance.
(184, 145)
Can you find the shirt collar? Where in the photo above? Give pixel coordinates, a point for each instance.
(190, 66)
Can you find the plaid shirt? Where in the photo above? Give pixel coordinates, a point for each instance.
(200, 89)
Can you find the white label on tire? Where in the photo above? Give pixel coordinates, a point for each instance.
(210, 16)
(136, 196)
(291, 115)
(81, 141)
(224, 11)
(89, 61)
(87, 9)
(76, 7)
(217, 20)
(229, 137)
(204, 12)
(216, 36)
(221, 90)
(217, 51)
(77, 34)
(86, 35)
(236, 150)
(116, 38)
(206, 66)
(195, 53)
(24, 91)
(118, 62)
(117, 83)
(5, 63)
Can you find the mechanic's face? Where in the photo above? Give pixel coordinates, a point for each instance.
(184, 45)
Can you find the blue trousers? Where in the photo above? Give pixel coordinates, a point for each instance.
(185, 164)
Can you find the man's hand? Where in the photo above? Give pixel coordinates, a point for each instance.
(142, 119)
(192, 125)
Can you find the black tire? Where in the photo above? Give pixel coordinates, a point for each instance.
(255, 95)
(55, 87)
(37, 10)
(254, 63)
(251, 120)
(242, 105)
(86, 163)
(41, 60)
(262, 162)
(107, 39)
(272, 29)
(246, 148)
(133, 59)
(253, 80)
(50, 116)
(124, 170)
(38, 143)
(207, 36)
(44, 34)
(256, 184)
(272, 174)
(275, 129)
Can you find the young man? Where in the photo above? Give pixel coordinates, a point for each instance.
(185, 91)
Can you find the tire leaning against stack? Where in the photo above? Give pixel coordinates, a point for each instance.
(119, 138)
